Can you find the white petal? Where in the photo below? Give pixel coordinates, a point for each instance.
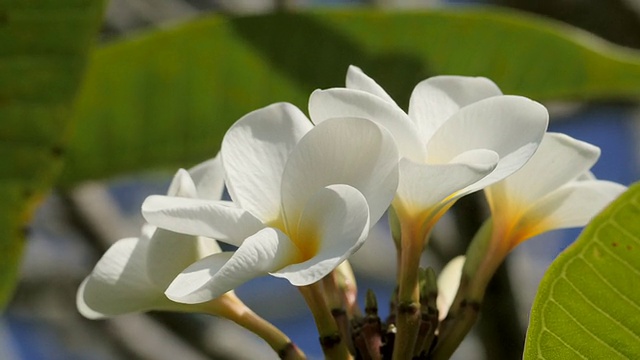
(182, 185)
(448, 283)
(208, 178)
(434, 100)
(355, 152)
(587, 175)
(358, 80)
(199, 217)
(572, 205)
(254, 152)
(334, 224)
(481, 158)
(558, 160)
(267, 250)
(169, 253)
(118, 284)
(341, 103)
(425, 187)
(83, 307)
(511, 126)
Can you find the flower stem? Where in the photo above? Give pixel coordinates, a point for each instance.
(485, 253)
(332, 345)
(429, 312)
(454, 329)
(408, 306)
(336, 299)
(232, 308)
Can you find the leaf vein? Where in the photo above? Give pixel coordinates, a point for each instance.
(564, 343)
(621, 260)
(599, 309)
(625, 232)
(611, 286)
(583, 327)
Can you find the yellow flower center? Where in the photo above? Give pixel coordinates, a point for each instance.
(307, 240)
(305, 237)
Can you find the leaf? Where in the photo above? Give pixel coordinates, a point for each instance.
(165, 98)
(44, 45)
(588, 303)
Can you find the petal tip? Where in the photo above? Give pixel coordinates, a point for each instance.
(180, 293)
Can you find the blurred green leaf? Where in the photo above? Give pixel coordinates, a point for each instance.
(165, 98)
(43, 48)
(588, 303)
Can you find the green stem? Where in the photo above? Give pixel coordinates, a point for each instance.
(232, 308)
(429, 312)
(455, 331)
(336, 299)
(330, 339)
(485, 253)
(408, 306)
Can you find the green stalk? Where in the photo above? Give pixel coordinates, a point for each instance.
(408, 306)
(232, 308)
(335, 298)
(428, 310)
(332, 345)
(485, 253)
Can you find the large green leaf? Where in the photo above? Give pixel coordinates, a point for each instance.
(165, 98)
(43, 47)
(588, 304)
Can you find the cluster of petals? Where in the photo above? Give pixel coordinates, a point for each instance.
(134, 272)
(459, 135)
(303, 200)
(554, 190)
(304, 194)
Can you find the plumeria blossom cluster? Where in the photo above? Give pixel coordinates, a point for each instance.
(305, 191)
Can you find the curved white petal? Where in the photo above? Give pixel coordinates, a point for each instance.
(169, 253)
(208, 178)
(512, 126)
(333, 225)
(347, 103)
(266, 251)
(425, 187)
(480, 158)
(358, 80)
(587, 175)
(83, 307)
(119, 284)
(435, 99)
(254, 152)
(448, 283)
(182, 185)
(192, 286)
(572, 205)
(200, 217)
(558, 160)
(352, 151)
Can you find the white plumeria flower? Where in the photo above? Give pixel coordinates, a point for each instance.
(304, 198)
(459, 136)
(554, 190)
(134, 272)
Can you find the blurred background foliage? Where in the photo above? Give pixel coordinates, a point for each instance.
(165, 79)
